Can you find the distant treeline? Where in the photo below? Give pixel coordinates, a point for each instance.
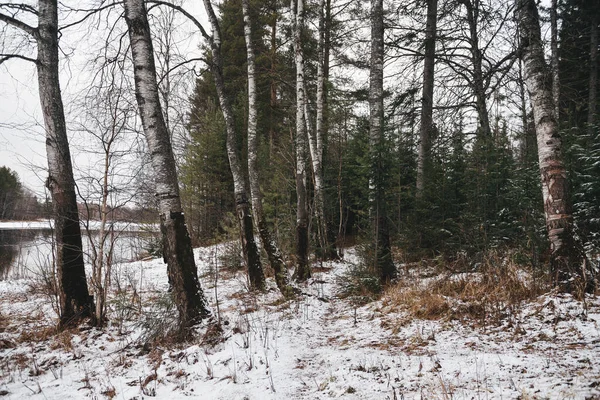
(19, 203)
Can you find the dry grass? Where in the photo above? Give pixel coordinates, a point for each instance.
(493, 294)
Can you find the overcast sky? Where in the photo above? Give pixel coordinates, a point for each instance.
(21, 129)
(22, 146)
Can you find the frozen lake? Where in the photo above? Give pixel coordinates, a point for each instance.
(26, 248)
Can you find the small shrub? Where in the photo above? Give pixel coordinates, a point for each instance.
(158, 321)
(359, 283)
(231, 258)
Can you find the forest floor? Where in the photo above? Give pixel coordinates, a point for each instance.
(317, 346)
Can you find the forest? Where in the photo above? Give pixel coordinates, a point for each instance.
(430, 164)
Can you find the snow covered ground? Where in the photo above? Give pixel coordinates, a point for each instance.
(317, 346)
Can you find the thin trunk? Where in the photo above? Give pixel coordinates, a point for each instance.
(383, 262)
(266, 237)
(477, 61)
(303, 271)
(251, 255)
(75, 301)
(427, 100)
(554, 58)
(177, 247)
(568, 262)
(326, 249)
(272, 86)
(593, 71)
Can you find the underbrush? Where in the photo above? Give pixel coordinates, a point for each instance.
(492, 294)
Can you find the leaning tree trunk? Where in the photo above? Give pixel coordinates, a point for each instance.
(268, 241)
(249, 248)
(177, 246)
(383, 262)
(424, 158)
(75, 301)
(568, 261)
(303, 271)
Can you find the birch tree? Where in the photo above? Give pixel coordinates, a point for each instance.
(177, 246)
(568, 264)
(316, 137)
(302, 272)
(74, 298)
(268, 241)
(251, 254)
(383, 262)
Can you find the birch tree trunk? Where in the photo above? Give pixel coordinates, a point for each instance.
(554, 58)
(251, 255)
(75, 301)
(568, 264)
(177, 246)
(269, 244)
(424, 156)
(302, 272)
(326, 250)
(383, 262)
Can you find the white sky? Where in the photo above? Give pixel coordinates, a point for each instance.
(21, 129)
(22, 147)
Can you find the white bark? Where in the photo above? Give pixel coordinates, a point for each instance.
(382, 253)
(177, 247)
(554, 58)
(251, 255)
(268, 242)
(302, 269)
(567, 258)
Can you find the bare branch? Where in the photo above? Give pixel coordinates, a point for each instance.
(6, 57)
(186, 14)
(19, 24)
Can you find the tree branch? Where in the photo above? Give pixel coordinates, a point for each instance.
(19, 24)
(6, 57)
(186, 14)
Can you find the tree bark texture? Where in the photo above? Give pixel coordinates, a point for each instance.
(251, 254)
(383, 262)
(177, 247)
(316, 139)
(554, 58)
(266, 237)
(424, 156)
(568, 263)
(302, 272)
(75, 301)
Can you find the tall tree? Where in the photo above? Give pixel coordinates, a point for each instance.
(567, 259)
(382, 262)
(75, 301)
(302, 272)
(250, 249)
(177, 246)
(317, 137)
(268, 241)
(554, 57)
(427, 99)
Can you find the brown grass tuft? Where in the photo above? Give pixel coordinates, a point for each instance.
(491, 295)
